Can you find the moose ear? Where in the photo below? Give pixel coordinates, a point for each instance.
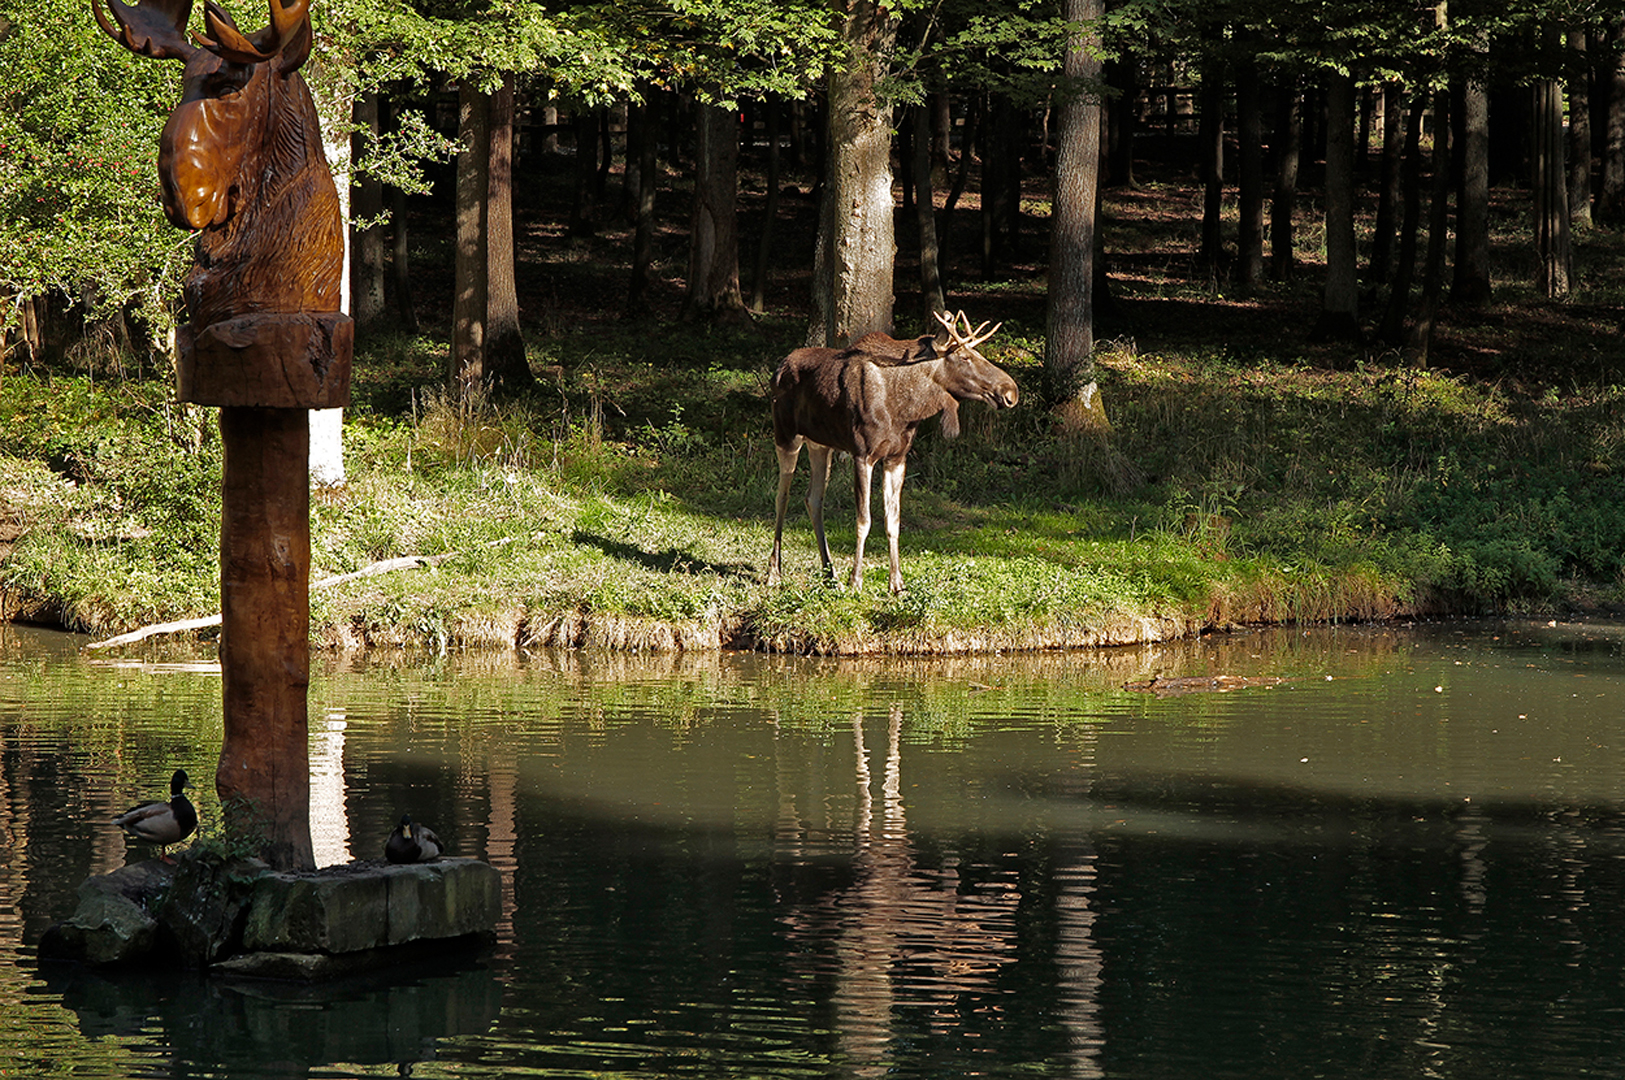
(296, 51)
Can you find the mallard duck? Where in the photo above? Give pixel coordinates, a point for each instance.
(162, 823)
(411, 843)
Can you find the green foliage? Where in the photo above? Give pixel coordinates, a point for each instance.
(79, 124)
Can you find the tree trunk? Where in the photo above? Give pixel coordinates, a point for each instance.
(584, 210)
(1472, 286)
(1554, 261)
(1069, 365)
(770, 212)
(1399, 295)
(1610, 207)
(1210, 135)
(1122, 76)
(507, 371)
(1390, 193)
(1250, 130)
(852, 265)
(925, 216)
(642, 140)
(713, 262)
(470, 267)
(1289, 142)
(1339, 314)
(1579, 93)
(1438, 232)
(367, 195)
(400, 261)
(1000, 156)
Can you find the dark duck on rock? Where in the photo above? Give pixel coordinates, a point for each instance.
(162, 823)
(411, 843)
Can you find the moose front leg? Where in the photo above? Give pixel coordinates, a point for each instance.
(862, 473)
(819, 457)
(893, 496)
(787, 475)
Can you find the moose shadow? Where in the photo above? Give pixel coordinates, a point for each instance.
(670, 560)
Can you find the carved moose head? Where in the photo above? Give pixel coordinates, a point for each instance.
(241, 158)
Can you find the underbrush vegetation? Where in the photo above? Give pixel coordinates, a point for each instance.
(627, 500)
(630, 504)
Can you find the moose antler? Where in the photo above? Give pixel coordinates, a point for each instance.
(231, 43)
(157, 28)
(969, 339)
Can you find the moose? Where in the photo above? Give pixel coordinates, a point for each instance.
(240, 160)
(868, 400)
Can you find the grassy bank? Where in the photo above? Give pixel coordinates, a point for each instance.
(1249, 476)
(629, 504)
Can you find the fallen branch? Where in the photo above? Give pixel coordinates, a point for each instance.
(383, 566)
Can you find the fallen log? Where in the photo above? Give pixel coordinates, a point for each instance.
(382, 566)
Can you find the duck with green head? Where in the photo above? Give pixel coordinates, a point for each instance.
(411, 843)
(162, 823)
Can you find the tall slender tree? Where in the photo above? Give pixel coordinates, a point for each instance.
(852, 265)
(1339, 314)
(1069, 363)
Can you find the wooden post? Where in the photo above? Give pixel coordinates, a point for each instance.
(266, 372)
(242, 167)
(263, 778)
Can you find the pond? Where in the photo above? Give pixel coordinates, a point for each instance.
(1374, 852)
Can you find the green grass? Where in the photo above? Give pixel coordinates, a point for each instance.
(628, 502)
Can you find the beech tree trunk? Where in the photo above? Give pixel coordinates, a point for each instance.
(400, 262)
(1438, 232)
(584, 210)
(367, 203)
(1250, 131)
(925, 217)
(1399, 295)
(852, 265)
(642, 141)
(1390, 193)
(1122, 75)
(1289, 143)
(1579, 93)
(1472, 286)
(1339, 314)
(713, 263)
(506, 369)
(470, 267)
(1069, 365)
(770, 212)
(1210, 136)
(1610, 205)
(1554, 265)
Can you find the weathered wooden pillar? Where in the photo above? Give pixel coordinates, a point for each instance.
(241, 165)
(266, 372)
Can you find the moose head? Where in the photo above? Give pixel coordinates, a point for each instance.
(240, 161)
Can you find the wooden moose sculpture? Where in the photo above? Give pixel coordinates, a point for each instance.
(240, 162)
(868, 400)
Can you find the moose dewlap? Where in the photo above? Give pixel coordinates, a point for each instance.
(868, 400)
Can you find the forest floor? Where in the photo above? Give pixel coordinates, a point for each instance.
(1250, 475)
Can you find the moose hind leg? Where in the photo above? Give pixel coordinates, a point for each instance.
(862, 471)
(819, 457)
(787, 474)
(892, 495)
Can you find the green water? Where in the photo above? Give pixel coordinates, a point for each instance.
(1393, 852)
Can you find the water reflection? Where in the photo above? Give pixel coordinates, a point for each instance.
(278, 1029)
(1401, 856)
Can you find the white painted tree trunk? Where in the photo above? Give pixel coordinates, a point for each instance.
(327, 425)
